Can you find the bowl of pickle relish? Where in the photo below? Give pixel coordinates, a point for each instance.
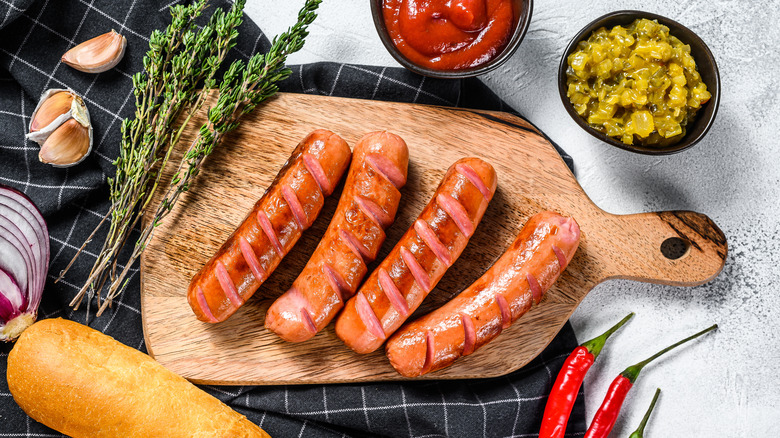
(641, 82)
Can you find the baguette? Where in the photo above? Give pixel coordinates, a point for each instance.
(83, 383)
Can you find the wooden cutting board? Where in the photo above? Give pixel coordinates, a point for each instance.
(531, 178)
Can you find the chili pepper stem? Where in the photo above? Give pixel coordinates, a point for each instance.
(640, 431)
(631, 373)
(595, 345)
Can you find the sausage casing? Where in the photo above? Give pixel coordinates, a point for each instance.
(276, 222)
(423, 254)
(518, 280)
(366, 208)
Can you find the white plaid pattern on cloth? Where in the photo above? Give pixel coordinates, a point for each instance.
(33, 35)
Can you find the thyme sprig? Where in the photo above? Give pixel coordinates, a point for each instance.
(180, 61)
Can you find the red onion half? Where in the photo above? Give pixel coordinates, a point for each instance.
(24, 262)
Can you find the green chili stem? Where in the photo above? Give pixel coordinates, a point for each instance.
(640, 431)
(632, 372)
(595, 345)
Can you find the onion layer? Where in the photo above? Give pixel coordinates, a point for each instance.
(24, 262)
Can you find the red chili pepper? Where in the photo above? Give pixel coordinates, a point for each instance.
(605, 417)
(568, 382)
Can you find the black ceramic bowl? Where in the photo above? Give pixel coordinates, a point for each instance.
(705, 63)
(522, 21)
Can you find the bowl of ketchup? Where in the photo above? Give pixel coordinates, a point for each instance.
(451, 38)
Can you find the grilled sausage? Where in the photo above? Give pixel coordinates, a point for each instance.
(287, 208)
(367, 207)
(419, 260)
(518, 280)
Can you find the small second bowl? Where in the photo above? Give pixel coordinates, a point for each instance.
(705, 63)
(522, 21)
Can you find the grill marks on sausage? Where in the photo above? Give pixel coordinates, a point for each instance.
(395, 296)
(471, 175)
(204, 306)
(387, 169)
(373, 211)
(470, 334)
(307, 321)
(506, 314)
(536, 290)
(315, 169)
(367, 315)
(295, 206)
(429, 350)
(561, 257)
(379, 165)
(268, 229)
(336, 281)
(303, 305)
(432, 240)
(419, 274)
(456, 212)
(227, 284)
(251, 259)
(354, 244)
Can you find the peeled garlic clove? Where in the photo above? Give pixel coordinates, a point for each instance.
(67, 146)
(57, 104)
(98, 54)
(51, 112)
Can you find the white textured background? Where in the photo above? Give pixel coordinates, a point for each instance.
(727, 384)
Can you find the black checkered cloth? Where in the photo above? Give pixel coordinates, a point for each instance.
(33, 36)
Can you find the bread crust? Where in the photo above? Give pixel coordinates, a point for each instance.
(83, 383)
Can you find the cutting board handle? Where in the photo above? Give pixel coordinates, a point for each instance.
(680, 248)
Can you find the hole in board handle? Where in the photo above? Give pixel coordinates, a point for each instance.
(674, 247)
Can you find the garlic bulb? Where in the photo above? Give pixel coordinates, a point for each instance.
(98, 54)
(61, 125)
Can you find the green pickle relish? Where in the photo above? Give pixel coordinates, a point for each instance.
(637, 84)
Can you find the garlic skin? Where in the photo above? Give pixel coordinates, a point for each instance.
(98, 54)
(65, 137)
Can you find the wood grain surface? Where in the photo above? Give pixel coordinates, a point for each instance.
(531, 178)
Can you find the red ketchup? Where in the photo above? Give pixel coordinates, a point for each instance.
(449, 34)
